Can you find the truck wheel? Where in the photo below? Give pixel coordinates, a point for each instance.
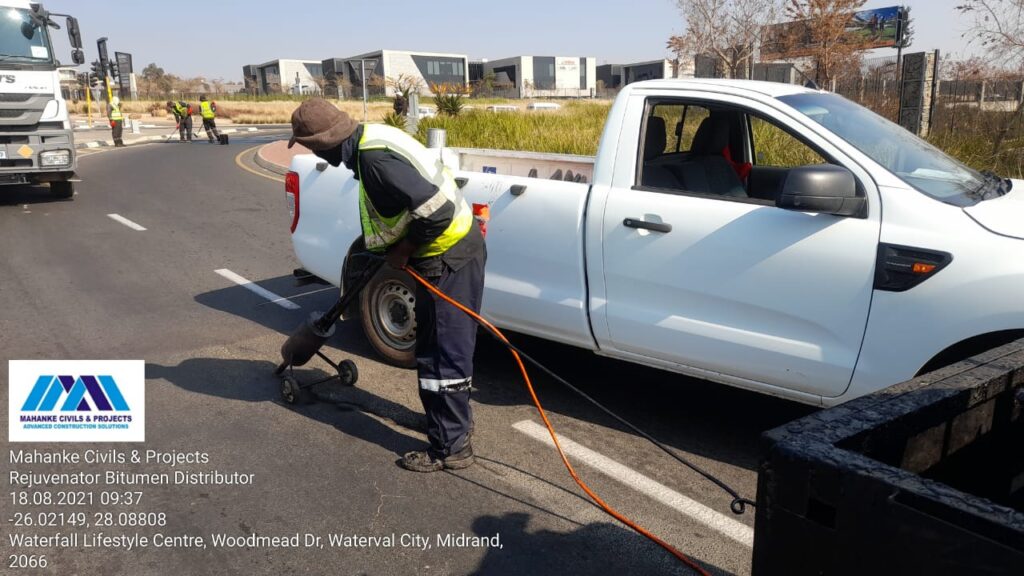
(62, 189)
(388, 316)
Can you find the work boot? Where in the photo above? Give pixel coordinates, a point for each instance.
(424, 461)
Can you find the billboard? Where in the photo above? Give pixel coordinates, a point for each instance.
(874, 28)
(124, 72)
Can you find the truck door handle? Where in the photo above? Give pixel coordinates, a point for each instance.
(656, 226)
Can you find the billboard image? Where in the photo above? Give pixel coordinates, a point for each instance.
(879, 27)
(876, 28)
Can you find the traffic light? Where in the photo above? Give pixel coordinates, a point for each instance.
(98, 71)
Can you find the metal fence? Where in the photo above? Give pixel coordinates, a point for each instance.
(875, 86)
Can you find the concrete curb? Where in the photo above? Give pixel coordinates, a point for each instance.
(146, 139)
(267, 164)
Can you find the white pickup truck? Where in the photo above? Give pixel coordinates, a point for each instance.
(761, 235)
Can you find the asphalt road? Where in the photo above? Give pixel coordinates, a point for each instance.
(76, 284)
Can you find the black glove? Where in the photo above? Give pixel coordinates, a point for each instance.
(398, 255)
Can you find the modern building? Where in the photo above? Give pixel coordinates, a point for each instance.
(545, 76)
(343, 77)
(70, 87)
(283, 77)
(617, 75)
(609, 76)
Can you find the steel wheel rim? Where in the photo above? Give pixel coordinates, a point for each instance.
(395, 318)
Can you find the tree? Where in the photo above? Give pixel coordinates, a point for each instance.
(907, 37)
(829, 44)
(154, 81)
(998, 27)
(404, 86)
(729, 30)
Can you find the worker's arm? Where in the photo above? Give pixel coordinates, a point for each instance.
(400, 187)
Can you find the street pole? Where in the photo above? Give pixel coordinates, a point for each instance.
(88, 97)
(362, 75)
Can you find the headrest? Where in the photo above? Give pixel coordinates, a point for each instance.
(655, 139)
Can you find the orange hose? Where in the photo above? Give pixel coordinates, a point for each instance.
(554, 437)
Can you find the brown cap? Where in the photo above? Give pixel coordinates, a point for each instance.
(319, 125)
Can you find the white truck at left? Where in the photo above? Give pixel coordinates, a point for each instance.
(36, 140)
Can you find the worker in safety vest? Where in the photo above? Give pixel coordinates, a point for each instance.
(116, 117)
(208, 110)
(183, 115)
(413, 213)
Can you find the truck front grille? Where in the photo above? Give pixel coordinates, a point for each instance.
(15, 163)
(11, 113)
(16, 97)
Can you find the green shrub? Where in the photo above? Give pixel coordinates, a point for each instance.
(575, 129)
(395, 119)
(449, 98)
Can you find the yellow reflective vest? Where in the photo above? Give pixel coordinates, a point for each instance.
(115, 112)
(380, 232)
(206, 109)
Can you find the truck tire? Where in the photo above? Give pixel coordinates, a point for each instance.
(388, 317)
(62, 189)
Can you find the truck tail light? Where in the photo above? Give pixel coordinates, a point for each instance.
(482, 213)
(291, 194)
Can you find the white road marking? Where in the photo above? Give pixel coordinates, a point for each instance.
(126, 222)
(244, 283)
(735, 530)
(300, 295)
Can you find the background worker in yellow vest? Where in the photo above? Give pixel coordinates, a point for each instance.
(116, 117)
(183, 115)
(413, 213)
(208, 110)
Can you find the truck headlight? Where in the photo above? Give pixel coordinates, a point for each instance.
(51, 111)
(52, 158)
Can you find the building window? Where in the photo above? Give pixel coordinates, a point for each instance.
(583, 73)
(544, 73)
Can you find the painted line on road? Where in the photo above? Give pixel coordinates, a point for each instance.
(300, 295)
(126, 222)
(238, 161)
(723, 524)
(267, 294)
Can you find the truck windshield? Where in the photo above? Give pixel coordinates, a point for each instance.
(22, 39)
(913, 160)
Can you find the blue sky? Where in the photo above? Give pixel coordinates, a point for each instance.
(215, 38)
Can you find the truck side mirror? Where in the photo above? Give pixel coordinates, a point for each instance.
(77, 56)
(75, 36)
(822, 188)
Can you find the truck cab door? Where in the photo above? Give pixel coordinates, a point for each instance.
(697, 270)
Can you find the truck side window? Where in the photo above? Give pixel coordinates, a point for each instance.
(775, 147)
(687, 128)
(660, 138)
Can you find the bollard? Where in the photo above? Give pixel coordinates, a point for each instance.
(136, 126)
(412, 118)
(436, 138)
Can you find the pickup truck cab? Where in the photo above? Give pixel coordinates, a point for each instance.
(766, 236)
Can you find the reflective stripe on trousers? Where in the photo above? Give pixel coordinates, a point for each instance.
(445, 386)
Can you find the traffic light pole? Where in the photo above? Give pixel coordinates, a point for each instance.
(88, 97)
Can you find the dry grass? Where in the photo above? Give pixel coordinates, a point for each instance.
(574, 129)
(239, 112)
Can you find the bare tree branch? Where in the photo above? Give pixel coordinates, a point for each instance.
(730, 30)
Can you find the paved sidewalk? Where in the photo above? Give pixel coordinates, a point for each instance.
(277, 157)
(100, 136)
